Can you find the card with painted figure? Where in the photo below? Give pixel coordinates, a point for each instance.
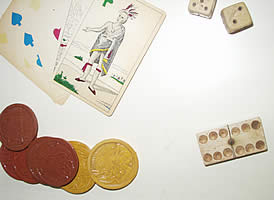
(29, 31)
(106, 50)
(77, 11)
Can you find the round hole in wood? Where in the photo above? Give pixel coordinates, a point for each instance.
(256, 125)
(235, 131)
(194, 4)
(234, 21)
(245, 127)
(213, 135)
(260, 145)
(207, 157)
(223, 133)
(249, 148)
(228, 152)
(203, 139)
(217, 156)
(240, 150)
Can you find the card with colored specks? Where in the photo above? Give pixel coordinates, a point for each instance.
(29, 40)
(106, 50)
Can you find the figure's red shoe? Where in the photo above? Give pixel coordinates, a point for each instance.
(80, 80)
(93, 91)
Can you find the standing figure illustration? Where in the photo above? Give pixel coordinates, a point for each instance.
(106, 46)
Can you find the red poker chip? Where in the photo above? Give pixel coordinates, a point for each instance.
(33, 147)
(18, 127)
(53, 161)
(21, 167)
(4, 156)
(8, 163)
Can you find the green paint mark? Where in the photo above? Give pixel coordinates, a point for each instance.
(107, 1)
(122, 83)
(59, 79)
(79, 57)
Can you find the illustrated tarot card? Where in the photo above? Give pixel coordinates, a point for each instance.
(105, 52)
(29, 34)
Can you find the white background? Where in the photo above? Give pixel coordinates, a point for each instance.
(194, 77)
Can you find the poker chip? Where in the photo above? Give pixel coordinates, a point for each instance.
(30, 158)
(21, 168)
(83, 181)
(53, 161)
(113, 164)
(3, 156)
(8, 163)
(18, 127)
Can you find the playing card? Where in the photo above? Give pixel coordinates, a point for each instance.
(107, 49)
(77, 11)
(29, 32)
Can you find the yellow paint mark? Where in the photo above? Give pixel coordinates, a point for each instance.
(92, 50)
(103, 67)
(35, 4)
(27, 65)
(3, 38)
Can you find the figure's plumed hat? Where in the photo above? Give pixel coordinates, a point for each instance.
(130, 11)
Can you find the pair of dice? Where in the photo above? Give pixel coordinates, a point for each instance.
(235, 17)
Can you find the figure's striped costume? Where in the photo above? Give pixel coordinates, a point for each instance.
(108, 47)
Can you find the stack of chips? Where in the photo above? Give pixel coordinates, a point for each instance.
(72, 166)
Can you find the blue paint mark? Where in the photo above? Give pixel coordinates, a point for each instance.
(38, 62)
(107, 107)
(28, 40)
(16, 19)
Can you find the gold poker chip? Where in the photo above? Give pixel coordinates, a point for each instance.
(83, 181)
(113, 164)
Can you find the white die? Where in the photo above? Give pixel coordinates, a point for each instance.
(203, 8)
(236, 18)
